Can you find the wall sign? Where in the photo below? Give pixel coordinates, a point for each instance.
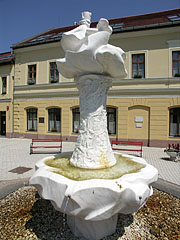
(41, 120)
(139, 125)
(138, 119)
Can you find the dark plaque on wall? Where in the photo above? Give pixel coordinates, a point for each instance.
(41, 120)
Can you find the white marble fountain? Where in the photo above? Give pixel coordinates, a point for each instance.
(93, 184)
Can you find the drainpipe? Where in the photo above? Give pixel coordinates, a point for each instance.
(13, 61)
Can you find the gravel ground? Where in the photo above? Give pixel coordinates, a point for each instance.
(24, 215)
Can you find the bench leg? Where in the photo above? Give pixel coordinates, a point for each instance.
(31, 150)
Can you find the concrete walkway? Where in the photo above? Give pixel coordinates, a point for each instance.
(14, 153)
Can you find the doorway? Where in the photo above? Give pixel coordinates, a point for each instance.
(3, 123)
(139, 124)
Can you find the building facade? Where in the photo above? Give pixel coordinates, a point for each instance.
(6, 93)
(145, 106)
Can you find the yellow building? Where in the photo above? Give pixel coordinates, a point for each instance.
(6, 93)
(145, 106)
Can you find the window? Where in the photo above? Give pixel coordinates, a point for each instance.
(4, 85)
(138, 65)
(176, 64)
(54, 74)
(174, 122)
(111, 120)
(32, 74)
(32, 119)
(54, 120)
(76, 120)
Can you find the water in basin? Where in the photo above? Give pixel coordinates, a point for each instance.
(61, 165)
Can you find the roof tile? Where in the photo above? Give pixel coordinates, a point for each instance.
(6, 57)
(132, 23)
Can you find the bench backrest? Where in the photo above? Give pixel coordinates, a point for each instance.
(47, 140)
(127, 142)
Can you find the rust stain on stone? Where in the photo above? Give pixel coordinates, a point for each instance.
(104, 161)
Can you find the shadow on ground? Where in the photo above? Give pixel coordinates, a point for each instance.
(167, 159)
(49, 224)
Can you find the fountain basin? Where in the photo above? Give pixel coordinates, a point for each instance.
(62, 165)
(92, 205)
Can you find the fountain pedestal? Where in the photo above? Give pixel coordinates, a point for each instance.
(92, 229)
(93, 149)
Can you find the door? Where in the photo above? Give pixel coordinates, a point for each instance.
(138, 124)
(3, 123)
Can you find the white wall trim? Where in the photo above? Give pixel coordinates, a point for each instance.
(109, 97)
(47, 71)
(171, 49)
(7, 84)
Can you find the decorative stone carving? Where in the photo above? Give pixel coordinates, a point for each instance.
(93, 149)
(92, 205)
(93, 63)
(87, 51)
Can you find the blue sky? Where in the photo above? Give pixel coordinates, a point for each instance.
(21, 19)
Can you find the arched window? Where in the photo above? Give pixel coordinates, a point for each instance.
(76, 120)
(174, 126)
(31, 119)
(111, 120)
(54, 120)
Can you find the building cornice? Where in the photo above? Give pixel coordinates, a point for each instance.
(45, 86)
(46, 95)
(146, 81)
(122, 82)
(145, 92)
(128, 92)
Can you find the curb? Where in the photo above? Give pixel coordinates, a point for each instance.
(7, 187)
(168, 187)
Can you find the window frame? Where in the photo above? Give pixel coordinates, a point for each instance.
(4, 88)
(55, 72)
(115, 117)
(32, 81)
(33, 111)
(138, 62)
(177, 124)
(53, 111)
(75, 110)
(176, 60)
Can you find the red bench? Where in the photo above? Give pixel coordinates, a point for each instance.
(32, 146)
(120, 146)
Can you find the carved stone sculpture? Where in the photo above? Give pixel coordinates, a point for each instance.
(92, 62)
(92, 204)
